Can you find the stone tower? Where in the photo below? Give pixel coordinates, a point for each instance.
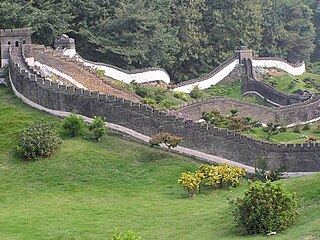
(15, 38)
(66, 44)
(244, 53)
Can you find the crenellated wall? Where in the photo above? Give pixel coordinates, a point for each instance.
(143, 119)
(273, 96)
(297, 113)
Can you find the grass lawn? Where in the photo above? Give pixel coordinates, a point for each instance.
(289, 84)
(87, 188)
(289, 137)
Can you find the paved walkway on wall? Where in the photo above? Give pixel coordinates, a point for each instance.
(181, 150)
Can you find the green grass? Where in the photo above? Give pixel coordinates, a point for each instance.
(289, 84)
(86, 189)
(232, 90)
(288, 137)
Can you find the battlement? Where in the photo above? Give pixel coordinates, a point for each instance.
(15, 32)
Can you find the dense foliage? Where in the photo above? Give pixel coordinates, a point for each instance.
(171, 141)
(98, 127)
(73, 125)
(188, 38)
(231, 122)
(215, 176)
(266, 207)
(38, 140)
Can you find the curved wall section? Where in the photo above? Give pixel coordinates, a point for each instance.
(212, 78)
(295, 70)
(140, 76)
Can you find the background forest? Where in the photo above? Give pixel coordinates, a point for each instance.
(188, 38)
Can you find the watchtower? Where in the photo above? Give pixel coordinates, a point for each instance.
(66, 44)
(15, 38)
(244, 53)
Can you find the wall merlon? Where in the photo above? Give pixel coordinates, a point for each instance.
(71, 89)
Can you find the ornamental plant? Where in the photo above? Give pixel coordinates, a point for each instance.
(171, 141)
(98, 128)
(38, 140)
(74, 125)
(225, 176)
(266, 207)
(190, 182)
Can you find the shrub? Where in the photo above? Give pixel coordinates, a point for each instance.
(297, 129)
(98, 128)
(190, 182)
(271, 129)
(73, 124)
(169, 140)
(38, 140)
(225, 176)
(306, 126)
(196, 92)
(141, 91)
(128, 235)
(266, 207)
(182, 96)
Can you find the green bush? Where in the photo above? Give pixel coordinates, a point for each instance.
(98, 128)
(182, 96)
(196, 92)
(190, 182)
(38, 140)
(306, 126)
(74, 125)
(128, 235)
(297, 129)
(266, 207)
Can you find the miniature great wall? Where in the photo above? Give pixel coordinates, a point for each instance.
(99, 97)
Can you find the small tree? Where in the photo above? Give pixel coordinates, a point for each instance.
(271, 129)
(38, 140)
(74, 125)
(98, 128)
(190, 182)
(266, 207)
(171, 141)
(196, 92)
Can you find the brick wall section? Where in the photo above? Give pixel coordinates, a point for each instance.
(268, 92)
(86, 76)
(147, 121)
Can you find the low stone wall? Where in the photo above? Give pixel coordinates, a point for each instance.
(142, 119)
(296, 113)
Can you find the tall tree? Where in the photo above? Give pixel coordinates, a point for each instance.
(232, 23)
(135, 34)
(192, 58)
(300, 32)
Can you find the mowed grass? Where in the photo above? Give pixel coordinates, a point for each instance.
(86, 189)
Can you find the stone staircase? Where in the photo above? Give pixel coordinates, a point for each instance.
(84, 75)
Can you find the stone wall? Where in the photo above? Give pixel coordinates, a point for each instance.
(293, 69)
(296, 113)
(252, 86)
(143, 119)
(214, 77)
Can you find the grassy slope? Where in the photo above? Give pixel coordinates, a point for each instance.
(283, 82)
(86, 189)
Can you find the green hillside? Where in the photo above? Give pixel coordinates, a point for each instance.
(87, 188)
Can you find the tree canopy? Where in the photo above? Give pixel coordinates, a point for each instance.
(188, 38)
